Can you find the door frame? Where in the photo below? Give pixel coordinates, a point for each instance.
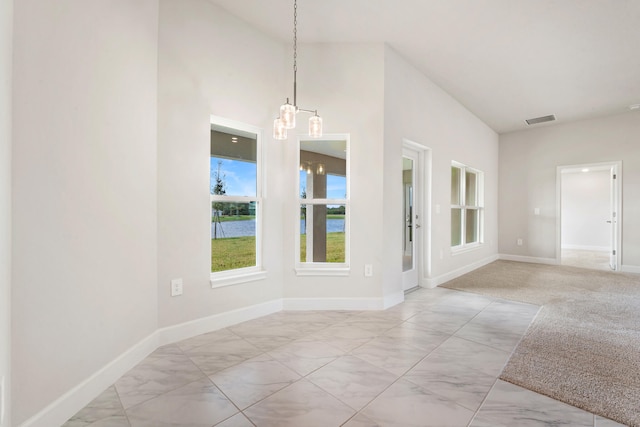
(616, 194)
(424, 176)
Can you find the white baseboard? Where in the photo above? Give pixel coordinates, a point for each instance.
(67, 405)
(333, 304)
(393, 299)
(531, 259)
(443, 278)
(428, 283)
(587, 248)
(630, 269)
(196, 327)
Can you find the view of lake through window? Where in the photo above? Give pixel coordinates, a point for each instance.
(235, 202)
(323, 201)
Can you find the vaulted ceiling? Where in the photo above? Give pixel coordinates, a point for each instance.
(505, 60)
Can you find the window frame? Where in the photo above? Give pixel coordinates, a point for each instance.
(324, 268)
(478, 206)
(256, 272)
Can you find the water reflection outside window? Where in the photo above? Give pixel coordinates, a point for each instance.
(323, 202)
(235, 202)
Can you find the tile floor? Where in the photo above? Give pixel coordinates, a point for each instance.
(430, 361)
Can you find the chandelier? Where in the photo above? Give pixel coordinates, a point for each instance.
(287, 118)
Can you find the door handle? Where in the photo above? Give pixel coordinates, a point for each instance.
(417, 225)
(608, 222)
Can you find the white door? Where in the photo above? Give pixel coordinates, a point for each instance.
(613, 255)
(411, 219)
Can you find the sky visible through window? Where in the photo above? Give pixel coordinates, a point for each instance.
(240, 179)
(239, 176)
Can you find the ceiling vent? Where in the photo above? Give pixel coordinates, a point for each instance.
(541, 119)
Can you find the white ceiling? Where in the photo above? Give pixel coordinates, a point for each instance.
(505, 60)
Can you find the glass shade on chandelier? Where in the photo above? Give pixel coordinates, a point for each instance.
(288, 115)
(279, 129)
(315, 126)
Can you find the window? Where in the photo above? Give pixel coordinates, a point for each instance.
(235, 191)
(466, 206)
(323, 237)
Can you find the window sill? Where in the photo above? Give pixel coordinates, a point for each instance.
(464, 249)
(219, 280)
(322, 271)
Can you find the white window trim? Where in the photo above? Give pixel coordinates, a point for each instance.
(236, 276)
(468, 247)
(324, 268)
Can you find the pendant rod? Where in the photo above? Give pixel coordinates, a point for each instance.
(295, 53)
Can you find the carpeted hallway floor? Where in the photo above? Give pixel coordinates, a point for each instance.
(584, 346)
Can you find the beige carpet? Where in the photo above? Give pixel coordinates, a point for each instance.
(583, 348)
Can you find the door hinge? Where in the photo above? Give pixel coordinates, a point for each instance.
(615, 176)
(614, 252)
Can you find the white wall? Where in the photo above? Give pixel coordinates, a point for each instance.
(418, 110)
(586, 208)
(345, 83)
(6, 41)
(211, 63)
(528, 162)
(84, 191)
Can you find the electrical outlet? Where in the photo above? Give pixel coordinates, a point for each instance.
(368, 270)
(176, 287)
(519, 242)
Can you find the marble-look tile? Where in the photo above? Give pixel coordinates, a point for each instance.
(509, 322)
(466, 387)
(466, 299)
(443, 319)
(223, 354)
(468, 355)
(300, 404)
(493, 336)
(417, 336)
(115, 421)
(253, 380)
(352, 380)
(405, 404)
(391, 354)
(605, 422)
(204, 339)
(238, 420)
(372, 323)
(104, 410)
(360, 420)
(199, 404)
(268, 334)
(510, 405)
(164, 370)
(343, 336)
(306, 355)
(513, 307)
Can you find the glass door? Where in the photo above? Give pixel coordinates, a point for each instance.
(410, 219)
